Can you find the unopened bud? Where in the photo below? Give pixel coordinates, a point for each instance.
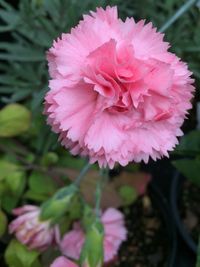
(56, 206)
(92, 252)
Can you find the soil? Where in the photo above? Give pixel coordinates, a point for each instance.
(147, 245)
(190, 209)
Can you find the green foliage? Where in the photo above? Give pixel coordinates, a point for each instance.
(41, 186)
(128, 194)
(17, 255)
(189, 147)
(7, 168)
(190, 168)
(49, 159)
(189, 144)
(12, 184)
(3, 223)
(14, 120)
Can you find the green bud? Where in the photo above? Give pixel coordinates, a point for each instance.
(49, 159)
(92, 252)
(88, 216)
(128, 194)
(56, 206)
(3, 223)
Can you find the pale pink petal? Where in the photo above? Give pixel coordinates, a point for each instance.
(63, 262)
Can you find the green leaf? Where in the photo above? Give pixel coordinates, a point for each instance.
(69, 161)
(50, 158)
(42, 184)
(17, 96)
(27, 56)
(190, 143)
(9, 17)
(16, 182)
(18, 255)
(190, 168)
(7, 168)
(9, 202)
(14, 120)
(128, 194)
(3, 223)
(32, 195)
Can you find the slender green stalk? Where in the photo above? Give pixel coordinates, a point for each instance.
(178, 13)
(99, 189)
(82, 174)
(98, 198)
(198, 254)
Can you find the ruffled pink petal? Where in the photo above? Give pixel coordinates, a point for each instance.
(113, 84)
(72, 243)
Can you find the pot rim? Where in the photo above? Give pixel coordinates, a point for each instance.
(162, 204)
(174, 195)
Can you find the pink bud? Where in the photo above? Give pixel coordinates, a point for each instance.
(30, 231)
(63, 262)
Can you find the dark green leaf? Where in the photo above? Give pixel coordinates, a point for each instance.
(7, 168)
(42, 184)
(190, 143)
(189, 168)
(18, 255)
(9, 202)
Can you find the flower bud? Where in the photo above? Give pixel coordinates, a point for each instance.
(92, 252)
(56, 206)
(30, 231)
(63, 262)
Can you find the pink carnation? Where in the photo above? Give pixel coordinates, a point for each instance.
(63, 262)
(115, 234)
(30, 231)
(116, 93)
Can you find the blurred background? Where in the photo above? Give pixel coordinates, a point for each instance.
(29, 151)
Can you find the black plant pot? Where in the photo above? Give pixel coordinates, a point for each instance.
(176, 189)
(160, 202)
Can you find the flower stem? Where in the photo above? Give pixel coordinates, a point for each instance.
(82, 174)
(99, 189)
(178, 13)
(198, 254)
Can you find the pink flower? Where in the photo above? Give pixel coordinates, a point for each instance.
(116, 93)
(30, 231)
(63, 262)
(114, 230)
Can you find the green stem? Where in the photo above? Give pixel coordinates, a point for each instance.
(98, 199)
(178, 13)
(99, 189)
(82, 174)
(198, 254)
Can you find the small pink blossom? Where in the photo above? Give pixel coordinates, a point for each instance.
(63, 262)
(114, 230)
(30, 231)
(116, 93)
